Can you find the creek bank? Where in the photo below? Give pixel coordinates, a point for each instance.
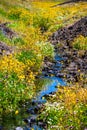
(5, 49)
(74, 62)
(37, 104)
(7, 31)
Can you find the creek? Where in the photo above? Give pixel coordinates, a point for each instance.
(47, 86)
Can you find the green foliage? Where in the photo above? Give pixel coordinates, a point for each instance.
(46, 49)
(41, 22)
(11, 92)
(18, 41)
(26, 55)
(3, 38)
(2, 12)
(30, 59)
(14, 14)
(82, 114)
(80, 43)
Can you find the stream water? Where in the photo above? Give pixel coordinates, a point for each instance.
(48, 86)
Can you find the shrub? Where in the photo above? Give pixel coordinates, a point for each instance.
(31, 59)
(46, 48)
(14, 85)
(14, 14)
(2, 12)
(41, 22)
(80, 43)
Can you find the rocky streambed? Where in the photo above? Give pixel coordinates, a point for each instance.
(74, 63)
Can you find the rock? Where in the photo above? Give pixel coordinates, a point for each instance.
(7, 31)
(5, 49)
(50, 71)
(42, 124)
(31, 110)
(61, 75)
(19, 128)
(48, 63)
(67, 34)
(27, 121)
(31, 120)
(27, 128)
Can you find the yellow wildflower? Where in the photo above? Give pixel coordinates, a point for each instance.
(16, 112)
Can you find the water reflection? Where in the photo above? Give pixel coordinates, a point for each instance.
(49, 86)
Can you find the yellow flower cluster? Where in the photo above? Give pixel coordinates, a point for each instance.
(80, 42)
(10, 64)
(72, 96)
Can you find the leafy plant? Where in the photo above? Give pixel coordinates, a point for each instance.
(46, 48)
(14, 14)
(41, 22)
(80, 43)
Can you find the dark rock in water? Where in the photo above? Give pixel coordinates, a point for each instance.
(46, 75)
(61, 75)
(31, 120)
(26, 120)
(35, 108)
(26, 128)
(31, 110)
(42, 124)
(50, 71)
(36, 102)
